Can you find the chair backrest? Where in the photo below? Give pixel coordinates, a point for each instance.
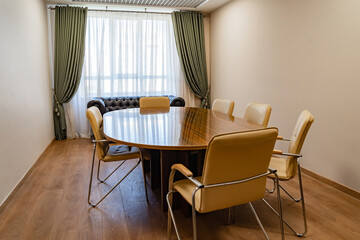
(151, 102)
(258, 113)
(297, 139)
(223, 106)
(232, 157)
(95, 118)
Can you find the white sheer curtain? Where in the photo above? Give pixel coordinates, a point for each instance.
(127, 54)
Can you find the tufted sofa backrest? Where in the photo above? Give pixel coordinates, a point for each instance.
(107, 104)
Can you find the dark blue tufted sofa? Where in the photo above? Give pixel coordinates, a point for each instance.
(107, 104)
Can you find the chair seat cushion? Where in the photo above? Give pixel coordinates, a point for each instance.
(186, 188)
(281, 165)
(121, 152)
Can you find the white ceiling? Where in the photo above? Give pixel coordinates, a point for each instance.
(206, 7)
(160, 3)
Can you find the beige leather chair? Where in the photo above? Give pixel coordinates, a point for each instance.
(108, 153)
(227, 181)
(158, 102)
(258, 113)
(288, 165)
(223, 106)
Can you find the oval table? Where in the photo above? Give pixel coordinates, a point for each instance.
(178, 132)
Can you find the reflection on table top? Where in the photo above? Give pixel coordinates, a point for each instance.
(177, 128)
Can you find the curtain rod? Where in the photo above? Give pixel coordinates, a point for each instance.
(124, 11)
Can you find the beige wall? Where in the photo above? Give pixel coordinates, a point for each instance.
(26, 120)
(296, 55)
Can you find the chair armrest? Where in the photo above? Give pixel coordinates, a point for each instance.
(102, 140)
(276, 151)
(279, 152)
(99, 103)
(181, 168)
(282, 138)
(186, 172)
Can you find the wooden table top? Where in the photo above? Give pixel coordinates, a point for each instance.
(177, 128)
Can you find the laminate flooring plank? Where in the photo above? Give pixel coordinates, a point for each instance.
(52, 204)
(114, 223)
(17, 218)
(72, 178)
(49, 205)
(90, 222)
(145, 220)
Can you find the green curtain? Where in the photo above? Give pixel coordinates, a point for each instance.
(70, 26)
(190, 43)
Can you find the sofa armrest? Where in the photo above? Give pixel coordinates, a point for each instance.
(99, 103)
(177, 102)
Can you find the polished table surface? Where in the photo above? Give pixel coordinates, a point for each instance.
(177, 128)
(175, 131)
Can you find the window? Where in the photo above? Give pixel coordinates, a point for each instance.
(126, 54)
(129, 54)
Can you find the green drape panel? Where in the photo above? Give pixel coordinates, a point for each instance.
(70, 26)
(190, 43)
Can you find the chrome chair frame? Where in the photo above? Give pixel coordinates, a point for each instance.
(298, 156)
(199, 186)
(102, 181)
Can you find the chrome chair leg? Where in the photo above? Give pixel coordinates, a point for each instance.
(276, 213)
(291, 196)
(98, 171)
(272, 190)
(171, 215)
(91, 173)
(302, 205)
(302, 202)
(281, 219)
(94, 205)
(279, 214)
(194, 214)
(258, 220)
(170, 212)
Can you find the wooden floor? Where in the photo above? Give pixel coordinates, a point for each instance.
(52, 204)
